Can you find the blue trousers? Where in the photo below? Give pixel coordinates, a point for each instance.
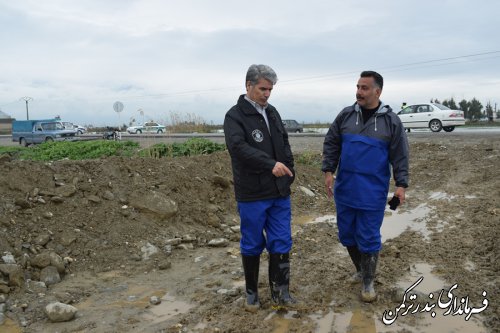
(361, 228)
(272, 216)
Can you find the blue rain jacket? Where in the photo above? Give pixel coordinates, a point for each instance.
(363, 153)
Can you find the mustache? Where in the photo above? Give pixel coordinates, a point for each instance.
(359, 97)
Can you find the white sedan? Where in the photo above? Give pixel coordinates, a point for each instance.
(149, 127)
(431, 115)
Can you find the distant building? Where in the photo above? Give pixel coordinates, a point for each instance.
(5, 123)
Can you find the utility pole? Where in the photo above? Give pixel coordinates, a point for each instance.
(27, 99)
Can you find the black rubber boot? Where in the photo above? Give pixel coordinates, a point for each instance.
(279, 279)
(251, 269)
(368, 267)
(356, 260)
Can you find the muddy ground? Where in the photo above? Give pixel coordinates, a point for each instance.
(104, 219)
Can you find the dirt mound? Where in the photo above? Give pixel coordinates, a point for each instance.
(94, 211)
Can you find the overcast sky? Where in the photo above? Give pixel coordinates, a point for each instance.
(76, 58)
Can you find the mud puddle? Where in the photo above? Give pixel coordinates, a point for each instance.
(10, 326)
(430, 282)
(167, 309)
(363, 321)
(306, 219)
(397, 222)
(422, 287)
(282, 322)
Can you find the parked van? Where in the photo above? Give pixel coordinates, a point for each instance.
(27, 132)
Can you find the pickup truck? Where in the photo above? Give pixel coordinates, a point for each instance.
(28, 132)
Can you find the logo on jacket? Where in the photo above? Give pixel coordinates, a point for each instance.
(257, 135)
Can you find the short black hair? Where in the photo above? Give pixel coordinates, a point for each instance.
(379, 80)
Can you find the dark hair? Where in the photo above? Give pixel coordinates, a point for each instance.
(379, 80)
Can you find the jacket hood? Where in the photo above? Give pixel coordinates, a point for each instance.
(383, 108)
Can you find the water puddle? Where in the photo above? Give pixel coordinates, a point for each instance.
(239, 283)
(441, 196)
(396, 223)
(9, 326)
(306, 219)
(301, 220)
(362, 321)
(324, 219)
(200, 326)
(126, 298)
(168, 308)
(469, 265)
(430, 283)
(282, 322)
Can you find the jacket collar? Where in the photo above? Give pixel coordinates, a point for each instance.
(248, 108)
(383, 108)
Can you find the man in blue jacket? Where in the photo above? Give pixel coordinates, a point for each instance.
(362, 144)
(262, 164)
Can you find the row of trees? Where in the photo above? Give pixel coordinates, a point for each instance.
(473, 109)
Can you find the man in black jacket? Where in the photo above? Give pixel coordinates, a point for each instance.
(262, 164)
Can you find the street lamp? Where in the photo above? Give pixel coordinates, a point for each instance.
(26, 99)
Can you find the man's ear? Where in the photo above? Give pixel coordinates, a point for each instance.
(248, 85)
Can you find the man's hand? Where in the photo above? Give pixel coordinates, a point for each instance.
(280, 170)
(329, 179)
(400, 193)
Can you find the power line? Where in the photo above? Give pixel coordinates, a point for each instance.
(388, 69)
(423, 64)
(394, 68)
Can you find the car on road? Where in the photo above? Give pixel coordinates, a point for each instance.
(70, 126)
(434, 116)
(292, 126)
(149, 127)
(79, 129)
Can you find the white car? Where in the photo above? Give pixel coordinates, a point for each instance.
(431, 115)
(149, 127)
(79, 129)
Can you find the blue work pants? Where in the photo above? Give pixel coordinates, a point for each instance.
(265, 224)
(361, 228)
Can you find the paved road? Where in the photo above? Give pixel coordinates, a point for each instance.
(303, 141)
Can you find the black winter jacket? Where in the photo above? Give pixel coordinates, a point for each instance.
(254, 152)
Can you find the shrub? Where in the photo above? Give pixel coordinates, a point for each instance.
(78, 150)
(309, 158)
(193, 146)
